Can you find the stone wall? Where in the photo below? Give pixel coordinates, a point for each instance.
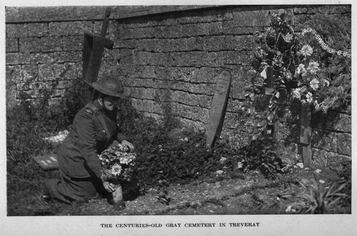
(169, 57)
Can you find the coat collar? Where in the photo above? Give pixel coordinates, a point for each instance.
(97, 104)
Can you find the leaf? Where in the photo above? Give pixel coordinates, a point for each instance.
(261, 123)
(254, 137)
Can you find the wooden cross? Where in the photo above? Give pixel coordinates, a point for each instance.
(93, 49)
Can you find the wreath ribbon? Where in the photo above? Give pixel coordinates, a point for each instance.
(323, 44)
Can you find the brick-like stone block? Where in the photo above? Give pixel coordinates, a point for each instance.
(37, 86)
(325, 158)
(44, 58)
(22, 86)
(16, 31)
(214, 28)
(13, 74)
(12, 45)
(193, 43)
(51, 44)
(142, 93)
(26, 58)
(30, 44)
(37, 29)
(126, 57)
(344, 123)
(11, 91)
(146, 83)
(174, 45)
(250, 18)
(233, 58)
(190, 19)
(72, 43)
(190, 30)
(71, 56)
(183, 97)
(244, 42)
(194, 58)
(204, 74)
(12, 58)
(199, 89)
(70, 28)
(174, 31)
(231, 28)
(215, 43)
(327, 141)
(144, 58)
(29, 73)
(49, 72)
(344, 144)
(186, 111)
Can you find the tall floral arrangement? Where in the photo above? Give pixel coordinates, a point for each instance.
(312, 66)
(118, 163)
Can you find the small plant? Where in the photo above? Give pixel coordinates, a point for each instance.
(260, 154)
(319, 198)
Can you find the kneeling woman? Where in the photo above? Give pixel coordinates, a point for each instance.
(94, 128)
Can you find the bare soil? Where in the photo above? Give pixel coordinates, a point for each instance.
(232, 194)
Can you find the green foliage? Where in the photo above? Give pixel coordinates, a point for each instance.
(260, 154)
(320, 198)
(29, 121)
(177, 159)
(166, 152)
(27, 124)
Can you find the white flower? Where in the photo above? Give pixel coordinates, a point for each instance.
(318, 171)
(306, 50)
(222, 160)
(116, 169)
(309, 97)
(288, 75)
(301, 69)
(288, 37)
(326, 82)
(314, 84)
(301, 165)
(296, 93)
(313, 67)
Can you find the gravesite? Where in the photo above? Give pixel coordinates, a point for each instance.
(178, 110)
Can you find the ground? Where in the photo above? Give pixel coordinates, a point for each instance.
(233, 194)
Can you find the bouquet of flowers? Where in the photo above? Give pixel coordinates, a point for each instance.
(118, 163)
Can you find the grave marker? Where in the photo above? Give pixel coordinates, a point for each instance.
(219, 107)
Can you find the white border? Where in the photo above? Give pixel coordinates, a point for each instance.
(90, 225)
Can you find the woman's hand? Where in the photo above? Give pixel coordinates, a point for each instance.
(108, 186)
(128, 144)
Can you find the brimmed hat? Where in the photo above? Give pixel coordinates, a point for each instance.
(109, 85)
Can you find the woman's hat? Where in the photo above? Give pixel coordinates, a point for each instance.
(109, 85)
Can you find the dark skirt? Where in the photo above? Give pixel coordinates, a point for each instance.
(67, 189)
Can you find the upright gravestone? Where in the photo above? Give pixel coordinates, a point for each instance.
(219, 107)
